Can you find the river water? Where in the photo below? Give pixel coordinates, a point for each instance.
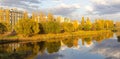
(101, 46)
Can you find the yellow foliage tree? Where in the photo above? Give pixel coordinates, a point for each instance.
(33, 16)
(75, 25)
(82, 23)
(117, 25)
(88, 24)
(42, 17)
(25, 15)
(50, 17)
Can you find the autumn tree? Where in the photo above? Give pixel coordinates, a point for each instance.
(82, 22)
(67, 27)
(98, 25)
(42, 17)
(51, 27)
(50, 17)
(33, 16)
(102, 24)
(87, 25)
(109, 24)
(3, 28)
(25, 16)
(80, 27)
(75, 25)
(27, 27)
(118, 26)
(8, 26)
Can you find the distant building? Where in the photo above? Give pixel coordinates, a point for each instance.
(11, 15)
(62, 19)
(39, 17)
(67, 20)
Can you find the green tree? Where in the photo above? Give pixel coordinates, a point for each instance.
(51, 27)
(82, 22)
(3, 28)
(109, 24)
(79, 27)
(88, 25)
(98, 25)
(27, 27)
(67, 27)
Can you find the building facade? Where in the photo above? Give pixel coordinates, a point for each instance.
(11, 16)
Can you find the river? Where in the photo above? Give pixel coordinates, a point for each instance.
(101, 46)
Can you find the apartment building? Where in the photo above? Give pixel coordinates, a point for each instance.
(11, 15)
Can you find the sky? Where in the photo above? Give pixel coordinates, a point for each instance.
(74, 9)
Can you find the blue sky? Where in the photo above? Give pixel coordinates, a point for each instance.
(74, 9)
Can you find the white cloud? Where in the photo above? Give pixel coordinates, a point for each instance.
(103, 2)
(22, 4)
(89, 8)
(105, 6)
(106, 2)
(62, 9)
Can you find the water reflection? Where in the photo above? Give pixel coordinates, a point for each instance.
(118, 36)
(57, 49)
(111, 50)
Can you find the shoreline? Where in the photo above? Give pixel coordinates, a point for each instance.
(44, 37)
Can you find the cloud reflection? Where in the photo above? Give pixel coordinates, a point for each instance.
(109, 48)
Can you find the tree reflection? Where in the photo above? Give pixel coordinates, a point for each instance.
(53, 46)
(68, 42)
(118, 37)
(28, 50)
(75, 42)
(42, 46)
(88, 40)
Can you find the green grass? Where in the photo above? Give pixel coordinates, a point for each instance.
(9, 37)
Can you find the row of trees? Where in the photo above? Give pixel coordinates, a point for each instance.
(30, 26)
(99, 24)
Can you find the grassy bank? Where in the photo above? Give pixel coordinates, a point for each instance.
(43, 37)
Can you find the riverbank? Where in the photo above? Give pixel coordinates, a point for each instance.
(44, 37)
